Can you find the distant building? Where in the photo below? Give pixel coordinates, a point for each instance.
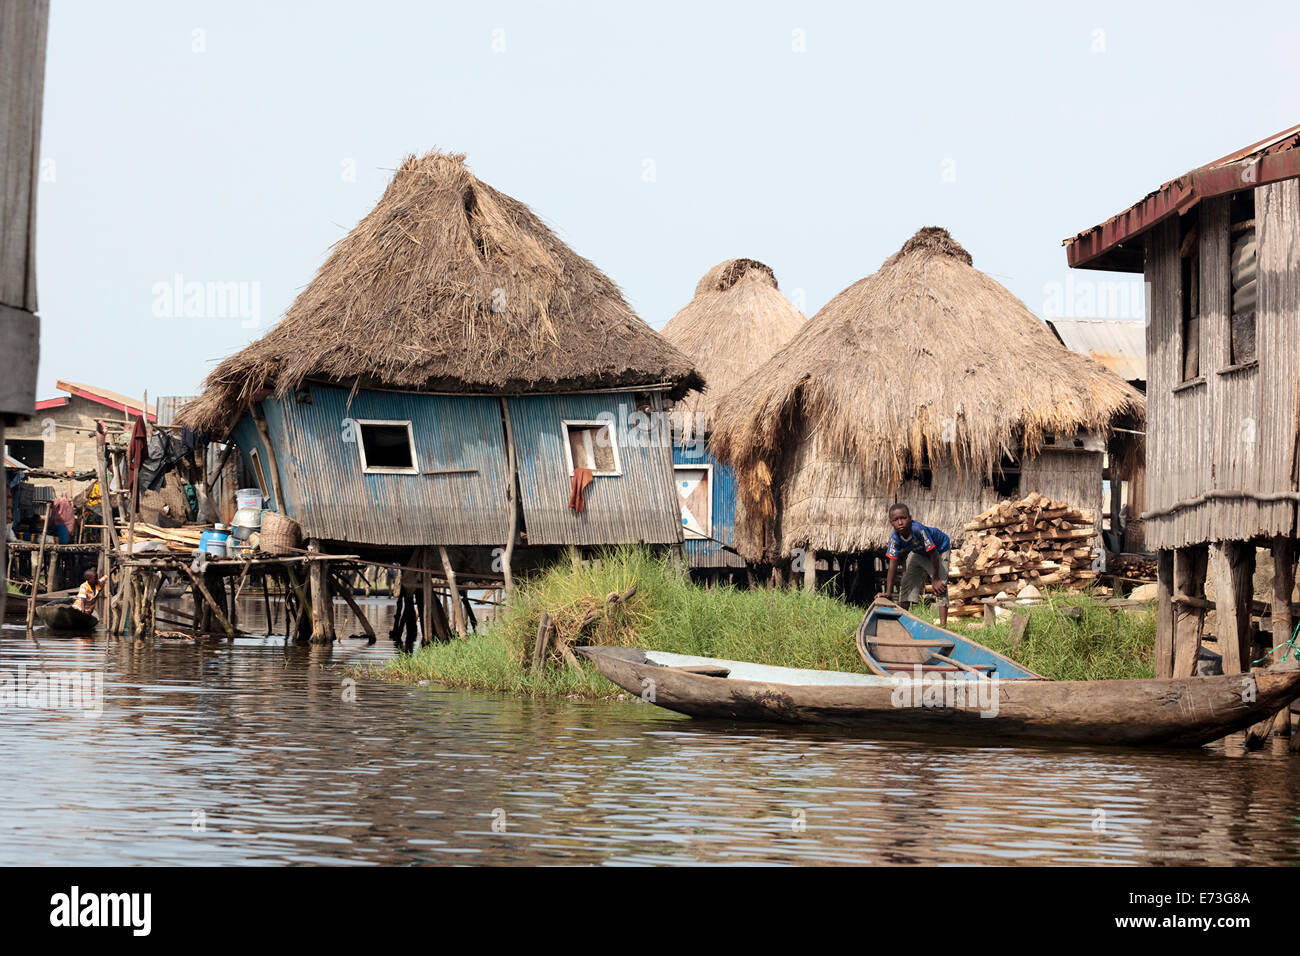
(61, 434)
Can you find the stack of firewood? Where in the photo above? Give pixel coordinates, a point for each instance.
(1136, 566)
(1034, 541)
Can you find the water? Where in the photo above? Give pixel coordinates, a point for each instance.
(247, 752)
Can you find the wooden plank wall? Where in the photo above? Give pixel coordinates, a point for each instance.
(1235, 428)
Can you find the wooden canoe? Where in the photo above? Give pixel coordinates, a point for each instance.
(65, 617)
(1186, 712)
(893, 642)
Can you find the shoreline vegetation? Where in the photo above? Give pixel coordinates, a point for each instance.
(783, 627)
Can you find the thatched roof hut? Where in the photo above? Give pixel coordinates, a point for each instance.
(737, 320)
(926, 376)
(449, 285)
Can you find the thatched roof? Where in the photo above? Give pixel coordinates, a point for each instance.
(449, 285)
(737, 320)
(927, 361)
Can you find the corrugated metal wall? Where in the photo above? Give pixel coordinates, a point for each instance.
(709, 554)
(1235, 429)
(330, 496)
(640, 505)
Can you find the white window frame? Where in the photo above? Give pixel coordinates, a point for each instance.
(259, 472)
(366, 469)
(613, 442)
(708, 524)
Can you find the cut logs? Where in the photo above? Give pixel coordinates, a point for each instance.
(1034, 541)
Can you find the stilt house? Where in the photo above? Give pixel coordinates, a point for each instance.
(926, 382)
(736, 321)
(1218, 251)
(444, 375)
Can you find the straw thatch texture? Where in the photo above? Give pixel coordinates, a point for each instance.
(737, 320)
(928, 363)
(449, 285)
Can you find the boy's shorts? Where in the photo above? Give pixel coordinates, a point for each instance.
(916, 572)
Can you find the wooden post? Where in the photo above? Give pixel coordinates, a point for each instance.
(426, 598)
(105, 539)
(1234, 567)
(1189, 581)
(322, 631)
(201, 588)
(458, 612)
(259, 420)
(36, 572)
(1284, 562)
(346, 591)
(511, 500)
(810, 570)
(1164, 650)
(545, 629)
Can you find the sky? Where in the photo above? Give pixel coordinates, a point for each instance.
(224, 147)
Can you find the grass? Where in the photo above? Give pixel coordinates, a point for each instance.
(789, 628)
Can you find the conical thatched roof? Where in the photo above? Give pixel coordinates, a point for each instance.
(928, 361)
(449, 285)
(737, 321)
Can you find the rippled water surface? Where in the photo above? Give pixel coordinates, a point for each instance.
(248, 752)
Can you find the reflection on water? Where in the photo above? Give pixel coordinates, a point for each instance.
(248, 752)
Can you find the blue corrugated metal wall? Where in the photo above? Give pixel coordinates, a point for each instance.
(709, 554)
(330, 496)
(639, 505)
(326, 491)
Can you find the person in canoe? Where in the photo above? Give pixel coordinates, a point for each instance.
(923, 552)
(88, 594)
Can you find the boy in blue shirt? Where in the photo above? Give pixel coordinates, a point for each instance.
(924, 552)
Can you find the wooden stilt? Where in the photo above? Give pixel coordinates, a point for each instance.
(512, 501)
(1189, 581)
(321, 626)
(458, 612)
(1164, 649)
(36, 573)
(202, 589)
(348, 597)
(1234, 566)
(1284, 565)
(810, 570)
(426, 599)
(545, 629)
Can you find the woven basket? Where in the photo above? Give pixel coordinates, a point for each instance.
(280, 534)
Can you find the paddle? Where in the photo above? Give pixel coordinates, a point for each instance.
(966, 667)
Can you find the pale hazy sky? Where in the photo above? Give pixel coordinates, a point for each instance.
(214, 141)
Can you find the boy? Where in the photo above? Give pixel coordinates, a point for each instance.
(88, 594)
(926, 551)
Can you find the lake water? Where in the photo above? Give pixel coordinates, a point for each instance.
(252, 751)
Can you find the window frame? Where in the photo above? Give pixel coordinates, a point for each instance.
(259, 473)
(613, 443)
(368, 469)
(707, 468)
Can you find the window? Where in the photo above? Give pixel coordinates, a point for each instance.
(1243, 275)
(923, 476)
(695, 495)
(1190, 278)
(1006, 475)
(31, 452)
(591, 445)
(387, 448)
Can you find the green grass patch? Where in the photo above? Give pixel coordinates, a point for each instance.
(786, 628)
(1104, 643)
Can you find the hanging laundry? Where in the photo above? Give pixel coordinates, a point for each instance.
(582, 477)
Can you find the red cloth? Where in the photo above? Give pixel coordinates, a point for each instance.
(136, 454)
(61, 511)
(582, 477)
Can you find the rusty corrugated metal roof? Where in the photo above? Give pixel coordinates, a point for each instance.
(1118, 344)
(1107, 246)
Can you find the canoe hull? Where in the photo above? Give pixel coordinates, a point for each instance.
(1188, 712)
(65, 617)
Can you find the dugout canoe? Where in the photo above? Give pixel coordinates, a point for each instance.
(65, 617)
(1185, 712)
